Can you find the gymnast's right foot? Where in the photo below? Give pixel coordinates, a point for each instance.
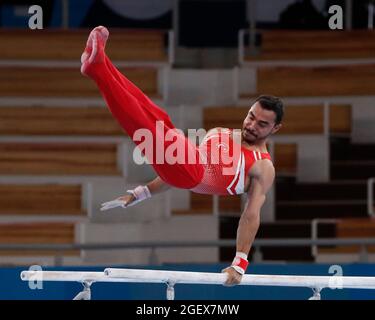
(94, 51)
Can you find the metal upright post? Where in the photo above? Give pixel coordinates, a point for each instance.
(252, 22)
(370, 23)
(348, 14)
(65, 14)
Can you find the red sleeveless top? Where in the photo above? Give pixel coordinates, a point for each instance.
(226, 164)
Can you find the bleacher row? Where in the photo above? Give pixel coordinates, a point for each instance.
(60, 45)
(292, 45)
(43, 76)
(52, 81)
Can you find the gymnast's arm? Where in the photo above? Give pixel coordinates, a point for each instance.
(158, 186)
(155, 186)
(138, 194)
(262, 175)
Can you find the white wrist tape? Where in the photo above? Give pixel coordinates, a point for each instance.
(241, 255)
(140, 193)
(240, 262)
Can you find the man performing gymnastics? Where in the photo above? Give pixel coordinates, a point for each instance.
(252, 169)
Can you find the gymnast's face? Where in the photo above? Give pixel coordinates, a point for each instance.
(259, 124)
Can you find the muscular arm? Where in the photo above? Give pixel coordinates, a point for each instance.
(250, 218)
(262, 177)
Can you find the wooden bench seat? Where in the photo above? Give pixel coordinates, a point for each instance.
(315, 45)
(41, 199)
(123, 44)
(37, 233)
(352, 228)
(58, 158)
(348, 80)
(310, 119)
(285, 158)
(66, 82)
(297, 119)
(58, 121)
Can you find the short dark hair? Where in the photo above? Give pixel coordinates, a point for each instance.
(272, 103)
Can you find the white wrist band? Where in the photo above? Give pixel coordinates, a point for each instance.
(240, 262)
(241, 255)
(140, 193)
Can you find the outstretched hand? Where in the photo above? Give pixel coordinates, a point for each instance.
(123, 201)
(233, 278)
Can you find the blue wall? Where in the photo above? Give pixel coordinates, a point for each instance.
(12, 288)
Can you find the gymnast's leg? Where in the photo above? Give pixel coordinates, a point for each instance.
(133, 110)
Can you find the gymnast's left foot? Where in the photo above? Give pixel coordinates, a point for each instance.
(94, 51)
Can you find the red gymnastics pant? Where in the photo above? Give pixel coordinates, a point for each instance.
(134, 110)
